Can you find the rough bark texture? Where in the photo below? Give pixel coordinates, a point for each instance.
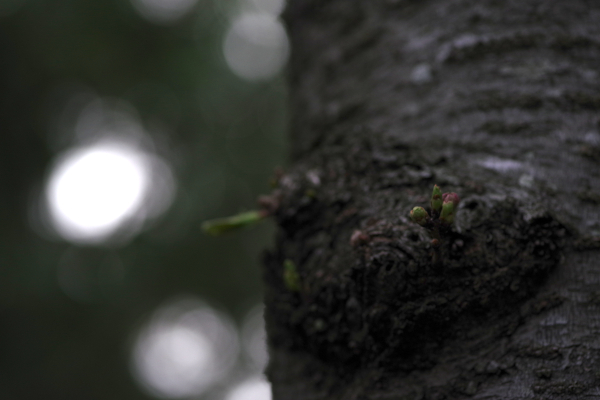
(496, 100)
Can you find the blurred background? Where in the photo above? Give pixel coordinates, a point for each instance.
(123, 125)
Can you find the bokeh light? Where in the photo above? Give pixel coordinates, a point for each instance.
(256, 388)
(94, 191)
(256, 46)
(184, 349)
(123, 130)
(273, 7)
(163, 11)
(109, 182)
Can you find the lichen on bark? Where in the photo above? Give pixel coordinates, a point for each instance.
(380, 300)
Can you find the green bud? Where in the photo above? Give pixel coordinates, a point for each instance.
(291, 279)
(419, 215)
(447, 214)
(219, 226)
(436, 199)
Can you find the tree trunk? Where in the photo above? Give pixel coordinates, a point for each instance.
(495, 100)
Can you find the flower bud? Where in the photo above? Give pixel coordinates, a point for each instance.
(449, 207)
(419, 215)
(436, 199)
(451, 196)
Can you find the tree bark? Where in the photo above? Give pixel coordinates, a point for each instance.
(497, 101)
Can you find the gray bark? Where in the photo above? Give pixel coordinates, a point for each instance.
(497, 101)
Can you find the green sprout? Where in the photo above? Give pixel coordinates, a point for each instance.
(291, 278)
(443, 209)
(219, 226)
(267, 206)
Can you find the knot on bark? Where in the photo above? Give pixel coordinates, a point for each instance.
(391, 302)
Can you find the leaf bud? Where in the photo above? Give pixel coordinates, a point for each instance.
(436, 199)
